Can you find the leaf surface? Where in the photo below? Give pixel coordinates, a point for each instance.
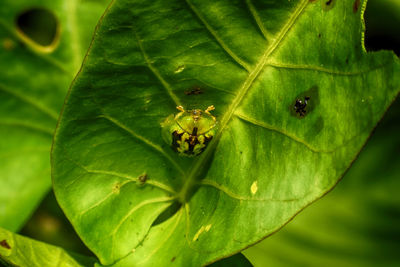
(17, 250)
(250, 59)
(358, 224)
(33, 82)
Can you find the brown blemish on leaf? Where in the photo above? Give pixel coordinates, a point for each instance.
(328, 4)
(194, 91)
(356, 6)
(4, 244)
(8, 44)
(173, 258)
(143, 178)
(116, 188)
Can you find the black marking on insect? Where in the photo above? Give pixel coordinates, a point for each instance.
(189, 131)
(192, 140)
(300, 106)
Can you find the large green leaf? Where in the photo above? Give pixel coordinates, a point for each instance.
(17, 250)
(34, 79)
(251, 60)
(358, 224)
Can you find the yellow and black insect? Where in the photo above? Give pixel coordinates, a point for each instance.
(190, 131)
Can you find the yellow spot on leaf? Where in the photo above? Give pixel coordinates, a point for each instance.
(254, 187)
(201, 230)
(8, 44)
(196, 236)
(116, 188)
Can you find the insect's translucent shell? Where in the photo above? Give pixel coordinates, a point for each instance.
(203, 124)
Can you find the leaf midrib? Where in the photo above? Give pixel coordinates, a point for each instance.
(238, 99)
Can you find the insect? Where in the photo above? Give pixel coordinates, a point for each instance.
(300, 107)
(189, 131)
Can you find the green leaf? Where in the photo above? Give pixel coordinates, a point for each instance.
(17, 250)
(134, 201)
(355, 225)
(42, 43)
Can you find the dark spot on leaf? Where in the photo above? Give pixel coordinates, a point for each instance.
(143, 178)
(347, 60)
(304, 103)
(8, 44)
(328, 4)
(173, 258)
(4, 244)
(116, 188)
(356, 6)
(194, 91)
(39, 28)
(315, 128)
(319, 35)
(130, 202)
(241, 152)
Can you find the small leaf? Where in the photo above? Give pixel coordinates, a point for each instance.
(272, 153)
(42, 43)
(16, 250)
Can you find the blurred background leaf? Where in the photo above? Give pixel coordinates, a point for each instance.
(17, 250)
(42, 44)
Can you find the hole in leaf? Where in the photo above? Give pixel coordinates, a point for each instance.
(4, 244)
(328, 4)
(39, 28)
(168, 213)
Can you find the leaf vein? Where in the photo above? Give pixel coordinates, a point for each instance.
(257, 19)
(98, 203)
(125, 176)
(241, 93)
(226, 191)
(155, 71)
(322, 69)
(32, 102)
(213, 33)
(144, 140)
(178, 218)
(27, 125)
(280, 131)
(138, 206)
